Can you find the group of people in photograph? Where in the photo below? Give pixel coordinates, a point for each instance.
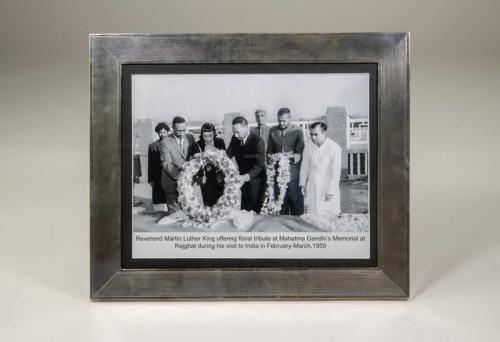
(314, 167)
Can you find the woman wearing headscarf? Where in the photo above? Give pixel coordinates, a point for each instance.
(211, 180)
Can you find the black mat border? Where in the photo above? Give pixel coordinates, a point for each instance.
(127, 70)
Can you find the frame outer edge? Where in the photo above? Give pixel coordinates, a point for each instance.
(104, 175)
(396, 264)
(107, 277)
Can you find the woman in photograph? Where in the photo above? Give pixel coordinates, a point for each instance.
(210, 179)
(155, 168)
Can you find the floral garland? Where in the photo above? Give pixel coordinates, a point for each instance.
(342, 222)
(242, 219)
(225, 204)
(272, 203)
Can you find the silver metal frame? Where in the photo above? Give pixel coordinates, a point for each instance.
(390, 279)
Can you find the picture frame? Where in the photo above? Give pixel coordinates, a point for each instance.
(388, 279)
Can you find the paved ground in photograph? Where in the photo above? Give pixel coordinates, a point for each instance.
(353, 196)
(354, 200)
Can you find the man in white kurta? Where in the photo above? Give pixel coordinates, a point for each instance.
(320, 173)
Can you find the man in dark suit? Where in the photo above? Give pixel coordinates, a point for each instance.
(173, 153)
(262, 130)
(249, 151)
(288, 139)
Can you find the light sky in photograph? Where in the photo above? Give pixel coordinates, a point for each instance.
(201, 97)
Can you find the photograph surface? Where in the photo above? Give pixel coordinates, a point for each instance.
(251, 165)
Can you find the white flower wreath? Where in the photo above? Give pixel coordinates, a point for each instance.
(225, 204)
(271, 204)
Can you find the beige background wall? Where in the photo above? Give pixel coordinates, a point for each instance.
(44, 174)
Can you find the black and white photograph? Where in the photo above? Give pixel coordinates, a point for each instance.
(261, 165)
